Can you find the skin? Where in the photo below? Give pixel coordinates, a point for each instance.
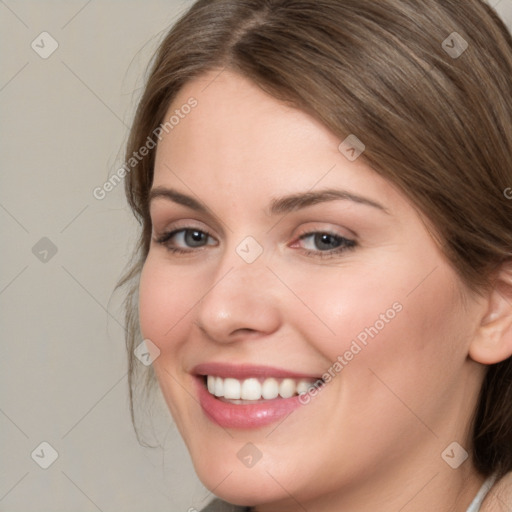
(372, 439)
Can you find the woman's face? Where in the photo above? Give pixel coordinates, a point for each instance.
(272, 294)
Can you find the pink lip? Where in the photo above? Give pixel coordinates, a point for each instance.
(244, 416)
(248, 416)
(244, 371)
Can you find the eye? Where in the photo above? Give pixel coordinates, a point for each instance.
(327, 244)
(190, 237)
(323, 244)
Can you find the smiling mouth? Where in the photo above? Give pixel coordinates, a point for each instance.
(257, 389)
(249, 396)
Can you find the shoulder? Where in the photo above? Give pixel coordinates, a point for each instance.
(222, 506)
(499, 498)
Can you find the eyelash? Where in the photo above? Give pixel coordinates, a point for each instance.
(346, 243)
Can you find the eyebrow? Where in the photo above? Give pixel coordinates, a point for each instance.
(278, 206)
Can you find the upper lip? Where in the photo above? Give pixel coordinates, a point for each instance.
(244, 371)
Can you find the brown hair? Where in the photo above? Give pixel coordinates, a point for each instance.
(437, 125)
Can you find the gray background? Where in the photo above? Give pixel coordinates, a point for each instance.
(64, 120)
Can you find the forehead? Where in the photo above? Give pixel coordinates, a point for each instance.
(239, 140)
(233, 114)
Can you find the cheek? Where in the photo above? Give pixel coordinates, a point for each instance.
(163, 303)
(398, 321)
(352, 305)
(163, 308)
(419, 354)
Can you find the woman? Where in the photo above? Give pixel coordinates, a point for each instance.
(324, 274)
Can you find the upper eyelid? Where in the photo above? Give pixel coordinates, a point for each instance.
(282, 207)
(190, 227)
(307, 233)
(182, 225)
(219, 225)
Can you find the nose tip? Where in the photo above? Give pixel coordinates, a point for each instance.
(238, 306)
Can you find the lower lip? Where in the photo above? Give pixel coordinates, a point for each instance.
(247, 416)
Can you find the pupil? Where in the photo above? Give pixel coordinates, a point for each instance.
(324, 239)
(195, 237)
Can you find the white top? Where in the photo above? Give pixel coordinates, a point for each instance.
(482, 493)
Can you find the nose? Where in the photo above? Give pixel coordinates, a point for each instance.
(240, 301)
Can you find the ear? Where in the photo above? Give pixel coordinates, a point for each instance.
(492, 342)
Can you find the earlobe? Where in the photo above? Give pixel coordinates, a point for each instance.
(492, 342)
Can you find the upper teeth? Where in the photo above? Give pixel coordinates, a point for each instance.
(255, 389)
